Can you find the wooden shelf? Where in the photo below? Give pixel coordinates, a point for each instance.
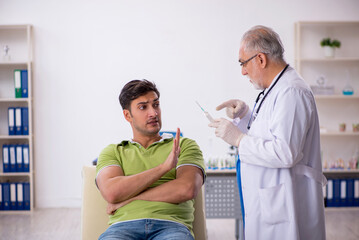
(210, 171)
(335, 59)
(340, 171)
(15, 174)
(10, 100)
(12, 63)
(11, 212)
(15, 136)
(337, 97)
(338, 134)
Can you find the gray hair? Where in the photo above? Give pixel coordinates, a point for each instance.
(263, 39)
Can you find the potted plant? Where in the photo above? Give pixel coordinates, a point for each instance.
(329, 46)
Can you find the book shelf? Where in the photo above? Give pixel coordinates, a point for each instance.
(339, 70)
(18, 39)
(337, 146)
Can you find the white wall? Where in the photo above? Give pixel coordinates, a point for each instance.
(85, 51)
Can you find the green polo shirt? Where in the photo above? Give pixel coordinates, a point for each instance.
(133, 159)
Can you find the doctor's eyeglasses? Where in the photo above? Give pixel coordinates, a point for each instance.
(242, 64)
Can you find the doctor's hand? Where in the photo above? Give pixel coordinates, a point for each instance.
(227, 131)
(234, 108)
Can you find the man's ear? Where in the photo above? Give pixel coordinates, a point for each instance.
(127, 115)
(263, 60)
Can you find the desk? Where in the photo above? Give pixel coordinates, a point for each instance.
(222, 197)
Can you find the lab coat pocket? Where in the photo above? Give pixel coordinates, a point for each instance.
(273, 204)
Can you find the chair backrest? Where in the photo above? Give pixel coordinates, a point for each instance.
(94, 217)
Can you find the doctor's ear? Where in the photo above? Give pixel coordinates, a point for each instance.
(262, 59)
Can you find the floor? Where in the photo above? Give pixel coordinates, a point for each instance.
(59, 224)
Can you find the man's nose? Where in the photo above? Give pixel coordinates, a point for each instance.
(244, 72)
(153, 111)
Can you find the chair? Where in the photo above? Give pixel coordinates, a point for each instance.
(94, 217)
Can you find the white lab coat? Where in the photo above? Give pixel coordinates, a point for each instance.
(281, 170)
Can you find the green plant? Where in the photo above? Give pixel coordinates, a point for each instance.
(331, 43)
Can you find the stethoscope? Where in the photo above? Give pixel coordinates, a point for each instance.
(253, 117)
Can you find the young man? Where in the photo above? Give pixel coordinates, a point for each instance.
(150, 181)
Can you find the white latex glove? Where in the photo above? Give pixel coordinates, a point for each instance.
(227, 131)
(234, 108)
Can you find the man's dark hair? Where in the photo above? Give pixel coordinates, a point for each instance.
(135, 89)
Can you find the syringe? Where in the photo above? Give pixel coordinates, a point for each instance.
(210, 118)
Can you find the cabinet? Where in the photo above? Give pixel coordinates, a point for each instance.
(334, 108)
(16, 40)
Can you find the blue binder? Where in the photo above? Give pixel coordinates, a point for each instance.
(1, 201)
(6, 196)
(350, 192)
(330, 198)
(20, 196)
(336, 192)
(25, 121)
(11, 120)
(26, 195)
(26, 157)
(18, 120)
(24, 84)
(6, 158)
(13, 193)
(12, 155)
(19, 158)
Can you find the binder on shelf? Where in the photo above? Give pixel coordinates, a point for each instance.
(13, 203)
(26, 195)
(24, 84)
(330, 198)
(19, 159)
(11, 120)
(25, 121)
(6, 196)
(12, 158)
(336, 192)
(17, 78)
(26, 157)
(356, 192)
(1, 201)
(350, 192)
(325, 195)
(20, 196)
(5, 158)
(343, 193)
(18, 119)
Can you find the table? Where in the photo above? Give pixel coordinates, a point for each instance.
(222, 197)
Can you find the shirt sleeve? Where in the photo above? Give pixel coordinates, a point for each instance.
(108, 157)
(191, 154)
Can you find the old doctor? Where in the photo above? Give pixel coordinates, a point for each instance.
(279, 171)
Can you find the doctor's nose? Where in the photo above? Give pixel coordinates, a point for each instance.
(244, 71)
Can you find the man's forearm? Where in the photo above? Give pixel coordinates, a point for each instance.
(179, 190)
(121, 188)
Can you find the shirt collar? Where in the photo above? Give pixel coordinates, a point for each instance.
(164, 137)
(266, 90)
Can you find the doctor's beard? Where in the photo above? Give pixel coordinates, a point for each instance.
(256, 85)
